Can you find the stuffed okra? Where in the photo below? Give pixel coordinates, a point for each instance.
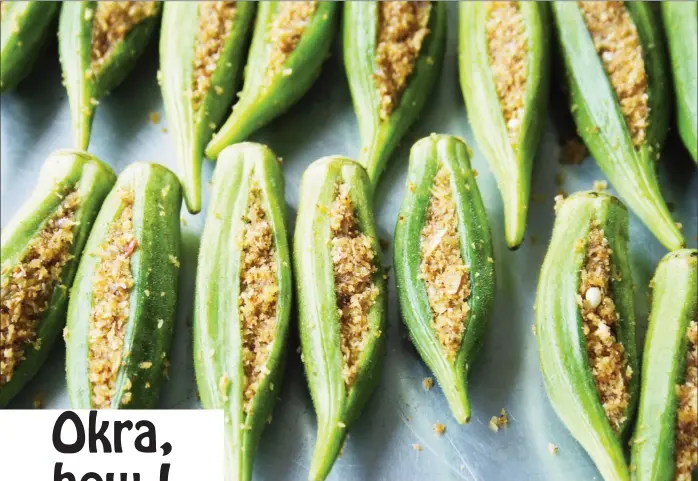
(341, 296)
(40, 249)
(665, 442)
(614, 58)
(504, 66)
(202, 50)
(290, 42)
(393, 54)
(443, 263)
(681, 28)
(99, 43)
(123, 300)
(585, 326)
(243, 299)
(25, 26)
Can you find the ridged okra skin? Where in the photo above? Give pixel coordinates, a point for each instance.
(428, 157)
(320, 322)
(560, 329)
(194, 112)
(89, 75)
(509, 145)
(65, 173)
(674, 306)
(270, 88)
(600, 121)
(681, 28)
(147, 270)
(379, 136)
(24, 29)
(248, 176)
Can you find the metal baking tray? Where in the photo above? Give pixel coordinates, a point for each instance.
(35, 120)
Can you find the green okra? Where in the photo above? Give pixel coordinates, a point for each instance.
(99, 44)
(243, 299)
(40, 249)
(25, 26)
(681, 28)
(504, 64)
(342, 301)
(444, 265)
(123, 300)
(665, 433)
(391, 74)
(202, 50)
(622, 116)
(585, 326)
(290, 42)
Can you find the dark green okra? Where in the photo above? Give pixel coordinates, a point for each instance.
(681, 28)
(99, 44)
(670, 342)
(626, 147)
(123, 301)
(243, 299)
(506, 94)
(385, 111)
(40, 249)
(459, 236)
(202, 50)
(24, 28)
(290, 42)
(585, 323)
(342, 302)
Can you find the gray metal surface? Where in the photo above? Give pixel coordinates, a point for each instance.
(35, 120)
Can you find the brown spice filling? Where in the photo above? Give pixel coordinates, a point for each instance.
(508, 54)
(606, 354)
(28, 286)
(259, 293)
(112, 284)
(442, 268)
(215, 24)
(353, 261)
(618, 44)
(402, 28)
(687, 414)
(113, 21)
(290, 21)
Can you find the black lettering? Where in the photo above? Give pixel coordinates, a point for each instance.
(58, 443)
(58, 474)
(166, 449)
(118, 427)
(164, 472)
(98, 435)
(93, 476)
(149, 435)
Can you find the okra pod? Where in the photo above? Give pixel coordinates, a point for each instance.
(243, 299)
(504, 65)
(25, 26)
(393, 54)
(444, 264)
(202, 50)
(585, 326)
(681, 27)
(99, 44)
(123, 301)
(664, 443)
(40, 249)
(614, 57)
(290, 42)
(342, 302)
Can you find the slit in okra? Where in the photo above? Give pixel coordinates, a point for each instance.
(288, 26)
(26, 292)
(606, 354)
(687, 412)
(113, 281)
(259, 291)
(402, 28)
(354, 267)
(446, 276)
